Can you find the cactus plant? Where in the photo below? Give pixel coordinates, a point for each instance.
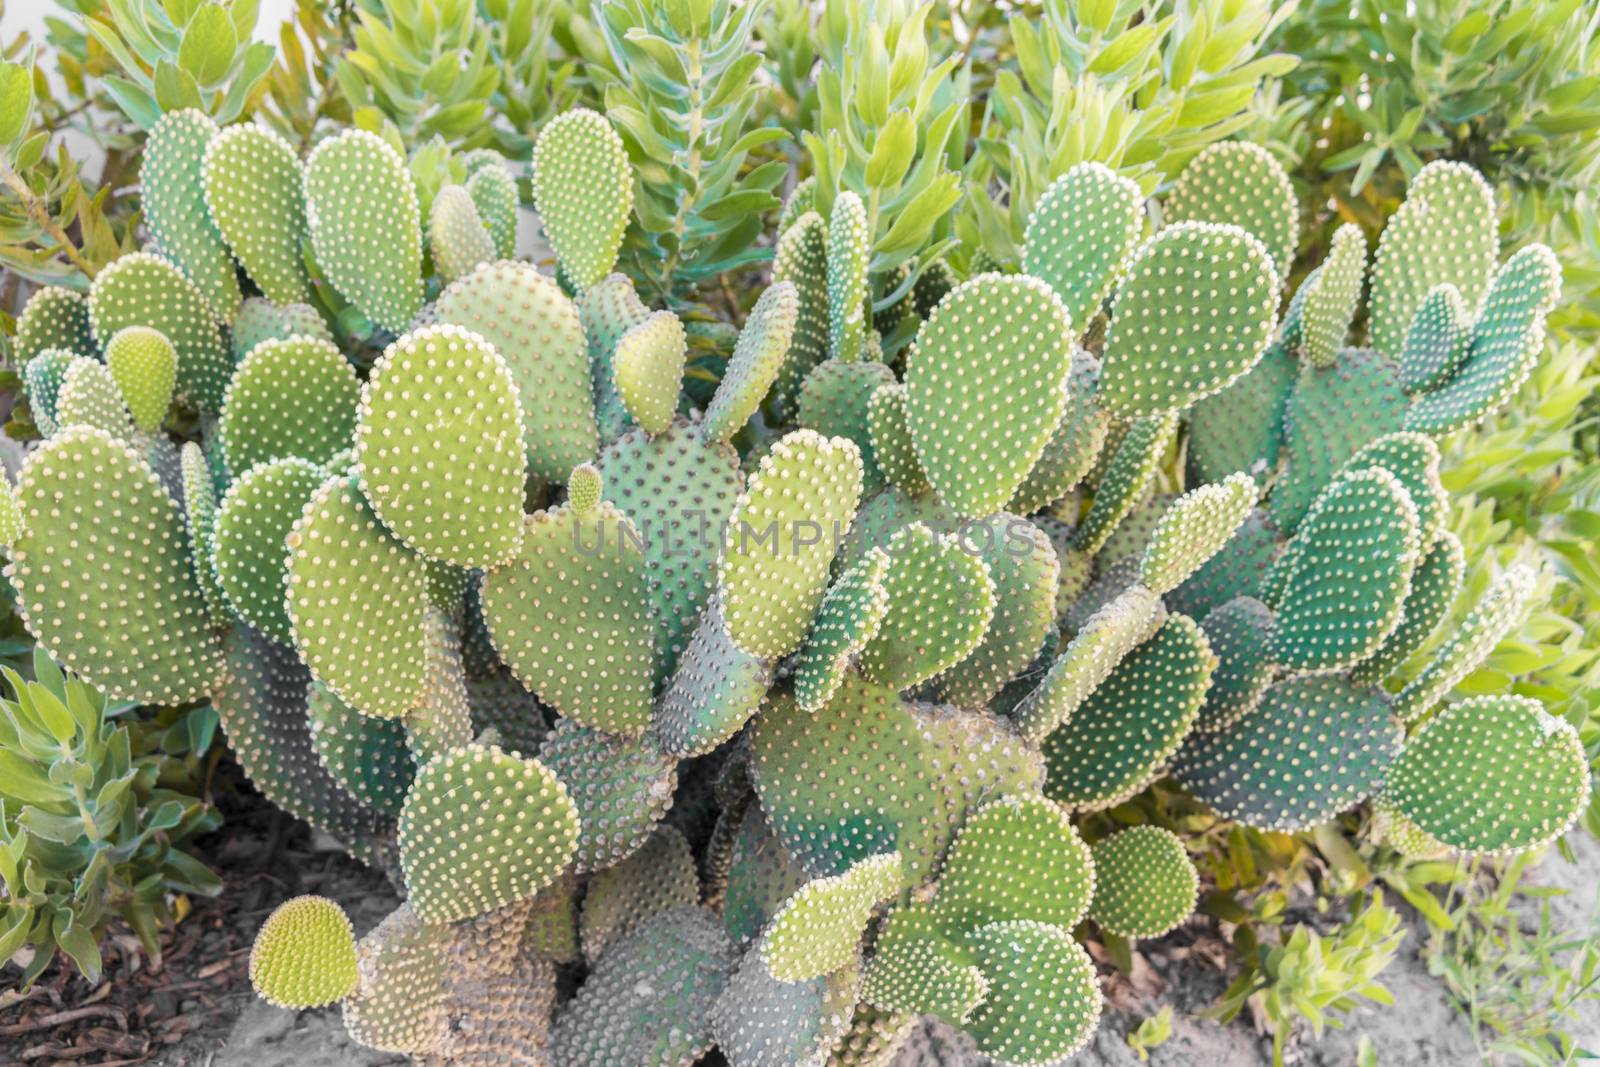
(781, 707)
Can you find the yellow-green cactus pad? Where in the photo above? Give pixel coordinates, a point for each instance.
(401, 1004)
(714, 691)
(941, 600)
(916, 968)
(1390, 827)
(1144, 882)
(762, 1022)
(874, 1038)
(141, 289)
(10, 515)
(255, 191)
(1017, 858)
(1331, 303)
(835, 402)
(607, 311)
(1109, 635)
(1026, 574)
(1195, 312)
(53, 318)
(494, 194)
(1492, 774)
(1194, 529)
(356, 599)
(679, 492)
(1126, 478)
(175, 207)
(437, 453)
(261, 320)
(253, 524)
(366, 755)
(442, 719)
(294, 397)
(660, 876)
(145, 366)
(818, 930)
(1489, 622)
(849, 250)
(1076, 567)
(1103, 754)
(870, 773)
(1350, 570)
(1434, 586)
(781, 538)
(1436, 341)
(535, 329)
(1444, 232)
(1333, 413)
(1241, 428)
(801, 258)
(457, 238)
(850, 616)
(262, 705)
(366, 226)
(200, 522)
(481, 828)
(648, 368)
(102, 572)
(1505, 344)
(583, 189)
(1238, 569)
(757, 357)
(304, 956)
(986, 384)
(1072, 449)
(649, 999)
(89, 397)
(1043, 1002)
(621, 788)
(1241, 183)
(1083, 229)
(570, 615)
(1311, 748)
(1240, 635)
(762, 874)
(890, 436)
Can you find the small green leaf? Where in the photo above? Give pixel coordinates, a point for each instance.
(175, 88)
(16, 100)
(208, 45)
(80, 944)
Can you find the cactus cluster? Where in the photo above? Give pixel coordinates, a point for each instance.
(779, 715)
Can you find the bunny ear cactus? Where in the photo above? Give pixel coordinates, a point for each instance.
(254, 189)
(975, 466)
(89, 499)
(530, 829)
(365, 224)
(583, 188)
(793, 676)
(54, 318)
(304, 956)
(175, 207)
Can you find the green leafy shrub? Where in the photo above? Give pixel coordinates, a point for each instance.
(92, 820)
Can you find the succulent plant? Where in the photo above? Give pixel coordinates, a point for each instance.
(783, 701)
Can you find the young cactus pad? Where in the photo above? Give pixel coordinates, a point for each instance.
(304, 956)
(480, 829)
